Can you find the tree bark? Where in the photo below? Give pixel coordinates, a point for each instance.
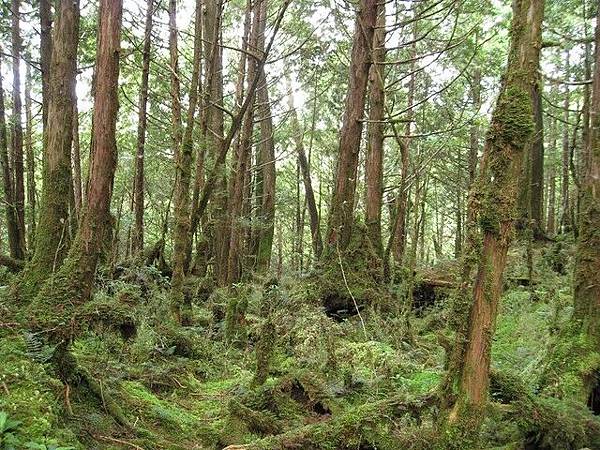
(52, 237)
(587, 260)
(7, 178)
(137, 238)
(565, 218)
(17, 134)
(551, 220)
(45, 11)
(267, 167)
(241, 161)
(494, 201)
(375, 137)
(30, 166)
(72, 284)
(182, 306)
(313, 213)
(341, 216)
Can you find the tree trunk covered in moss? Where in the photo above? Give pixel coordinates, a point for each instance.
(183, 173)
(233, 271)
(266, 164)
(52, 237)
(587, 260)
(137, 238)
(565, 217)
(72, 284)
(493, 200)
(9, 197)
(341, 215)
(17, 131)
(375, 137)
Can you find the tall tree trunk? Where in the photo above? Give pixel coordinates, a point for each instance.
(267, 162)
(375, 136)
(30, 156)
(45, 11)
(313, 213)
(565, 218)
(551, 220)
(587, 260)
(52, 237)
(536, 196)
(9, 197)
(341, 216)
(241, 162)
(72, 284)
(182, 306)
(137, 239)
(76, 160)
(493, 200)
(17, 134)
(474, 131)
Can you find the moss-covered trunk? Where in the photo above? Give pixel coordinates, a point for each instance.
(341, 215)
(183, 170)
(494, 200)
(72, 284)
(53, 237)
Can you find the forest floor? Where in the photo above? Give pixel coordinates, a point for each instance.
(331, 383)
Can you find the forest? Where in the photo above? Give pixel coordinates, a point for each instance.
(294, 224)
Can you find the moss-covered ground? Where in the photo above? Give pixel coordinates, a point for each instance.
(331, 384)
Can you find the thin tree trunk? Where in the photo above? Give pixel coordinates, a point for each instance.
(551, 221)
(241, 161)
(45, 57)
(137, 238)
(494, 201)
(341, 216)
(52, 237)
(30, 157)
(565, 219)
(182, 307)
(536, 196)
(76, 160)
(17, 134)
(9, 198)
(375, 139)
(474, 131)
(313, 213)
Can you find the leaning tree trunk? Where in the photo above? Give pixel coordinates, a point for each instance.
(137, 238)
(52, 237)
(494, 199)
(341, 216)
(17, 132)
(72, 284)
(182, 307)
(375, 131)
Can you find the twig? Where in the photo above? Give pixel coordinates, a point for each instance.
(362, 322)
(119, 441)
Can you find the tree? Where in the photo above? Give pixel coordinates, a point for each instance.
(341, 215)
(7, 178)
(376, 128)
(493, 199)
(17, 132)
(183, 166)
(137, 239)
(72, 284)
(53, 238)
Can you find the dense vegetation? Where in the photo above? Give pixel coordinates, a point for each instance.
(284, 224)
